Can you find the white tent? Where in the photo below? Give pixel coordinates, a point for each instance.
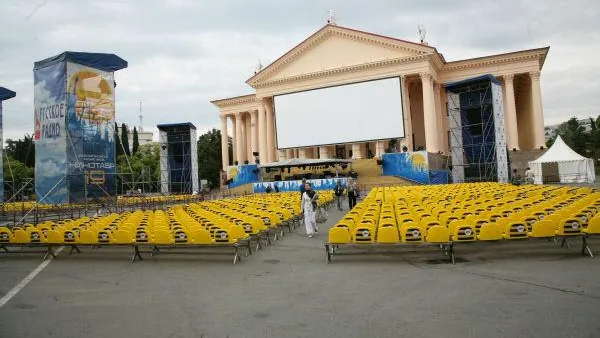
(572, 167)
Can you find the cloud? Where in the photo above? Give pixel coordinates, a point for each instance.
(184, 53)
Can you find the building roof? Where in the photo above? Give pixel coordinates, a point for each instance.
(102, 61)
(473, 80)
(331, 26)
(176, 125)
(6, 94)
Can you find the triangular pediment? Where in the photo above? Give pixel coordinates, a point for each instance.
(334, 47)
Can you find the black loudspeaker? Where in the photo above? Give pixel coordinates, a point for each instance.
(379, 162)
(235, 162)
(255, 153)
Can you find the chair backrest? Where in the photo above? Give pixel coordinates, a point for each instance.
(437, 234)
(200, 236)
(543, 229)
(364, 234)
(515, 230)
(87, 237)
(593, 227)
(388, 235)
(413, 233)
(569, 227)
(162, 237)
(122, 236)
(20, 236)
(464, 232)
(5, 235)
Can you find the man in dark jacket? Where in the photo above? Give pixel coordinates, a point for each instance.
(339, 193)
(302, 189)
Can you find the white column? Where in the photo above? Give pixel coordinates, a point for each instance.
(262, 132)
(290, 153)
(270, 132)
(324, 152)
(234, 137)
(407, 116)
(247, 138)
(224, 143)
(379, 148)
(438, 117)
(429, 113)
(238, 127)
(302, 153)
(510, 111)
(537, 111)
(254, 130)
(282, 154)
(356, 151)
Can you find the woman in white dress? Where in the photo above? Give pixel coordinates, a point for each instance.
(309, 209)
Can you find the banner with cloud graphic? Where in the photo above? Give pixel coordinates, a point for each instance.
(50, 134)
(90, 127)
(411, 166)
(242, 174)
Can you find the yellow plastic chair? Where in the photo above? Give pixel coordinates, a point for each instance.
(5, 235)
(388, 235)
(438, 234)
(542, 229)
(569, 227)
(122, 237)
(464, 233)
(515, 230)
(413, 232)
(491, 232)
(20, 236)
(200, 236)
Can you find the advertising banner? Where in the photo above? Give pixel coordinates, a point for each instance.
(242, 174)
(294, 186)
(50, 111)
(90, 125)
(411, 166)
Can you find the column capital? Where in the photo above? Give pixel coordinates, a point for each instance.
(426, 77)
(508, 77)
(534, 75)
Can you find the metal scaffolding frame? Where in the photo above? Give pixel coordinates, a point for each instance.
(472, 133)
(178, 173)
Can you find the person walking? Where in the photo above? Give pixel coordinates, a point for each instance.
(309, 210)
(529, 176)
(352, 192)
(339, 193)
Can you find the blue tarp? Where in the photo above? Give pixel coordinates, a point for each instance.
(483, 78)
(6, 94)
(101, 61)
(438, 176)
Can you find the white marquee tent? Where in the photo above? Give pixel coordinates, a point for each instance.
(572, 167)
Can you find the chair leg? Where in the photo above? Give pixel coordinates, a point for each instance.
(328, 254)
(585, 248)
(4, 248)
(236, 257)
(451, 252)
(136, 254)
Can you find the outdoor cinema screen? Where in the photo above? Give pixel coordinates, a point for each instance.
(364, 111)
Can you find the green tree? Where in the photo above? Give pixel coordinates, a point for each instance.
(22, 150)
(209, 156)
(118, 148)
(125, 139)
(16, 174)
(144, 172)
(136, 141)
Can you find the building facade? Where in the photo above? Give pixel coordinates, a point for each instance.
(336, 55)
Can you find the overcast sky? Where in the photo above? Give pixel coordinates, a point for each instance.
(184, 53)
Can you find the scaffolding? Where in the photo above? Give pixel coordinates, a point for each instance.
(477, 139)
(178, 158)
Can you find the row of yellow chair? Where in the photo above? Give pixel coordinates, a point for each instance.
(467, 213)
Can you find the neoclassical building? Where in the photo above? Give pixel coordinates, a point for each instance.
(336, 55)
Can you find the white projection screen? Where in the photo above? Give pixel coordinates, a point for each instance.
(356, 112)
